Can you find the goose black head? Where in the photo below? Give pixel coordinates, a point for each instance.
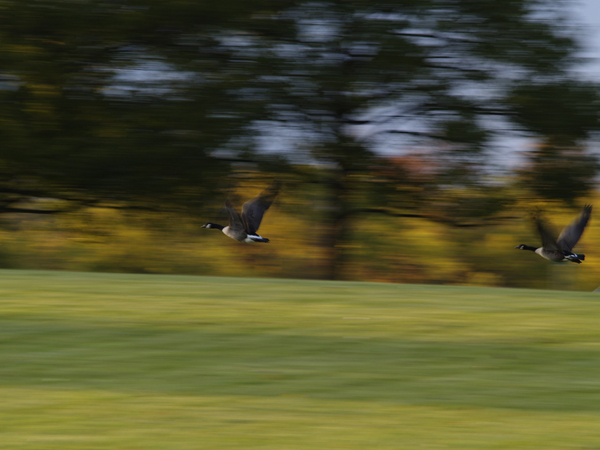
(521, 247)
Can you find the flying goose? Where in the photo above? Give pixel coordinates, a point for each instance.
(244, 227)
(561, 249)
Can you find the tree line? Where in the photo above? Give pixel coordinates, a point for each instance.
(387, 107)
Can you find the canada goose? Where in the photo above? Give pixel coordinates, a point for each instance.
(560, 249)
(244, 227)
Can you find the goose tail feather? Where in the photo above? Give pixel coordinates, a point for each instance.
(576, 258)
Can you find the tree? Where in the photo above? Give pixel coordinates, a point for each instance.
(117, 102)
(337, 82)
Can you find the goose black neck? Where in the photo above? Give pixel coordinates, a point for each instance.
(528, 247)
(214, 225)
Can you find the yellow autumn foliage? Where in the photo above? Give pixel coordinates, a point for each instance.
(380, 248)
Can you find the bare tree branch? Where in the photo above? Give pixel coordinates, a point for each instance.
(486, 221)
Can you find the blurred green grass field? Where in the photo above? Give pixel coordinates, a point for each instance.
(105, 361)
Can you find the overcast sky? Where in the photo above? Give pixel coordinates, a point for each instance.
(588, 12)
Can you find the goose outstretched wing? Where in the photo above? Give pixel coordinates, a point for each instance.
(570, 235)
(236, 224)
(253, 210)
(546, 233)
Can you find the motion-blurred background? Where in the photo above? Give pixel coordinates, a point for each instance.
(412, 138)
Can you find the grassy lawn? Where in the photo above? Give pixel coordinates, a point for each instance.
(104, 361)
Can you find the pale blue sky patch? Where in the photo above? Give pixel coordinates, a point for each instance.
(587, 12)
(147, 77)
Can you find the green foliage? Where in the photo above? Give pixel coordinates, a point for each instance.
(74, 129)
(71, 123)
(560, 172)
(567, 110)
